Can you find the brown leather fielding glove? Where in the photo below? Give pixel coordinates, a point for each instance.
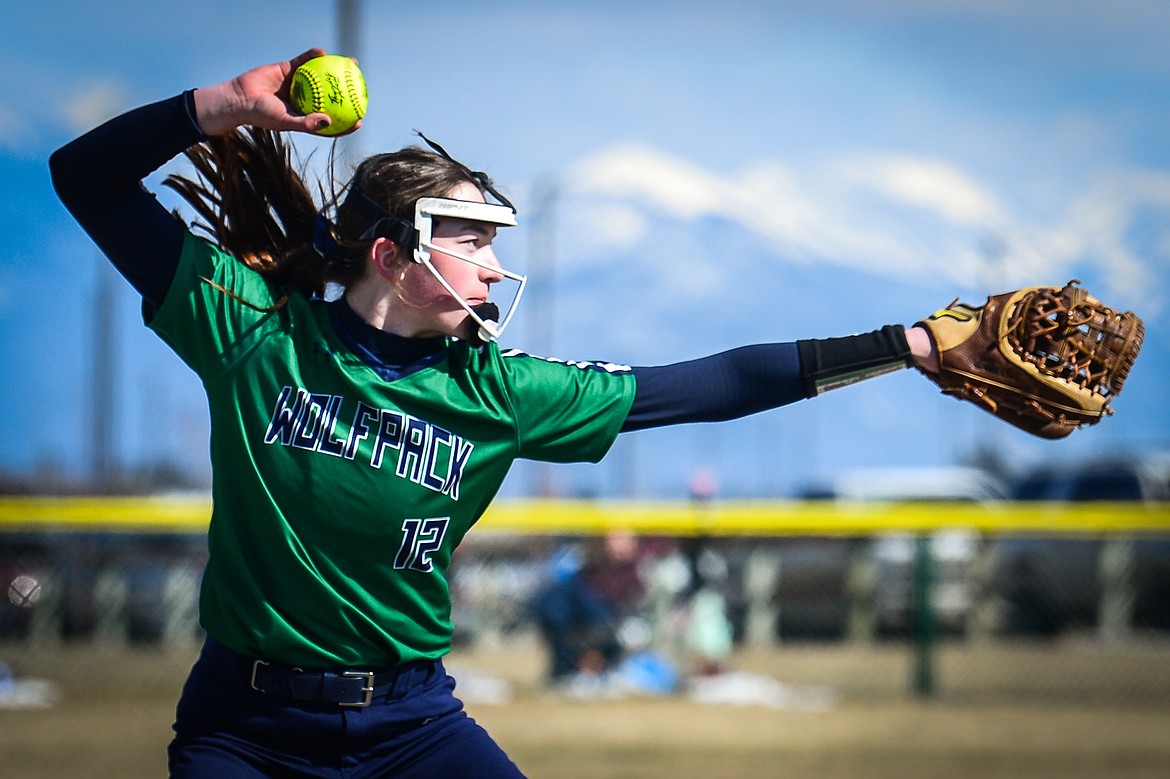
(1048, 360)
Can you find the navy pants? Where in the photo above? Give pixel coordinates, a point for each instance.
(418, 728)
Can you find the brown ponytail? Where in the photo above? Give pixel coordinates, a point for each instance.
(256, 206)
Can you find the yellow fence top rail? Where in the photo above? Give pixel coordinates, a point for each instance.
(588, 517)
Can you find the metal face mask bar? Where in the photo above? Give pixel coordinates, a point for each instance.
(425, 211)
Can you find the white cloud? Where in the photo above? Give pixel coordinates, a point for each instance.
(682, 189)
(930, 184)
(891, 214)
(1103, 216)
(92, 104)
(828, 215)
(618, 225)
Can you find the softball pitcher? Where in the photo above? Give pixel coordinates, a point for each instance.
(356, 439)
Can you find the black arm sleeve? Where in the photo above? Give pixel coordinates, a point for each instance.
(750, 379)
(99, 179)
(830, 363)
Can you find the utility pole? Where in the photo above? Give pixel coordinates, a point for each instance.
(541, 311)
(348, 43)
(542, 265)
(102, 382)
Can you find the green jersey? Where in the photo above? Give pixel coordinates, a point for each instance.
(338, 496)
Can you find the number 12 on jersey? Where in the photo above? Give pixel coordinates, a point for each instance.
(420, 537)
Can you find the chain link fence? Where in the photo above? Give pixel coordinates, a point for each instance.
(946, 613)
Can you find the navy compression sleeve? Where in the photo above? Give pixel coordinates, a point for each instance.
(723, 386)
(99, 179)
(750, 379)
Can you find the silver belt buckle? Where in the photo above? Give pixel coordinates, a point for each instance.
(256, 667)
(368, 689)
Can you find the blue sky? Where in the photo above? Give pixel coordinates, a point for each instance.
(721, 174)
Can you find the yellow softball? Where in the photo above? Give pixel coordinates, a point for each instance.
(331, 85)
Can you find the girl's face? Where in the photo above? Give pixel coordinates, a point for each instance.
(439, 313)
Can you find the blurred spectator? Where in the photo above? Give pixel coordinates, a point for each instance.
(594, 586)
(702, 604)
(701, 621)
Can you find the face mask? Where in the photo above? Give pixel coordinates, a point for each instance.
(485, 316)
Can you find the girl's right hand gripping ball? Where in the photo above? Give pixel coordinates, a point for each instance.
(331, 85)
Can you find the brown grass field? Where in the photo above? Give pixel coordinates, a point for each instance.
(1067, 711)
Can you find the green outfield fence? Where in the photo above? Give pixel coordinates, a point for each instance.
(976, 599)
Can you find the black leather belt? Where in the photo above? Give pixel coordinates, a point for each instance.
(341, 687)
(345, 688)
